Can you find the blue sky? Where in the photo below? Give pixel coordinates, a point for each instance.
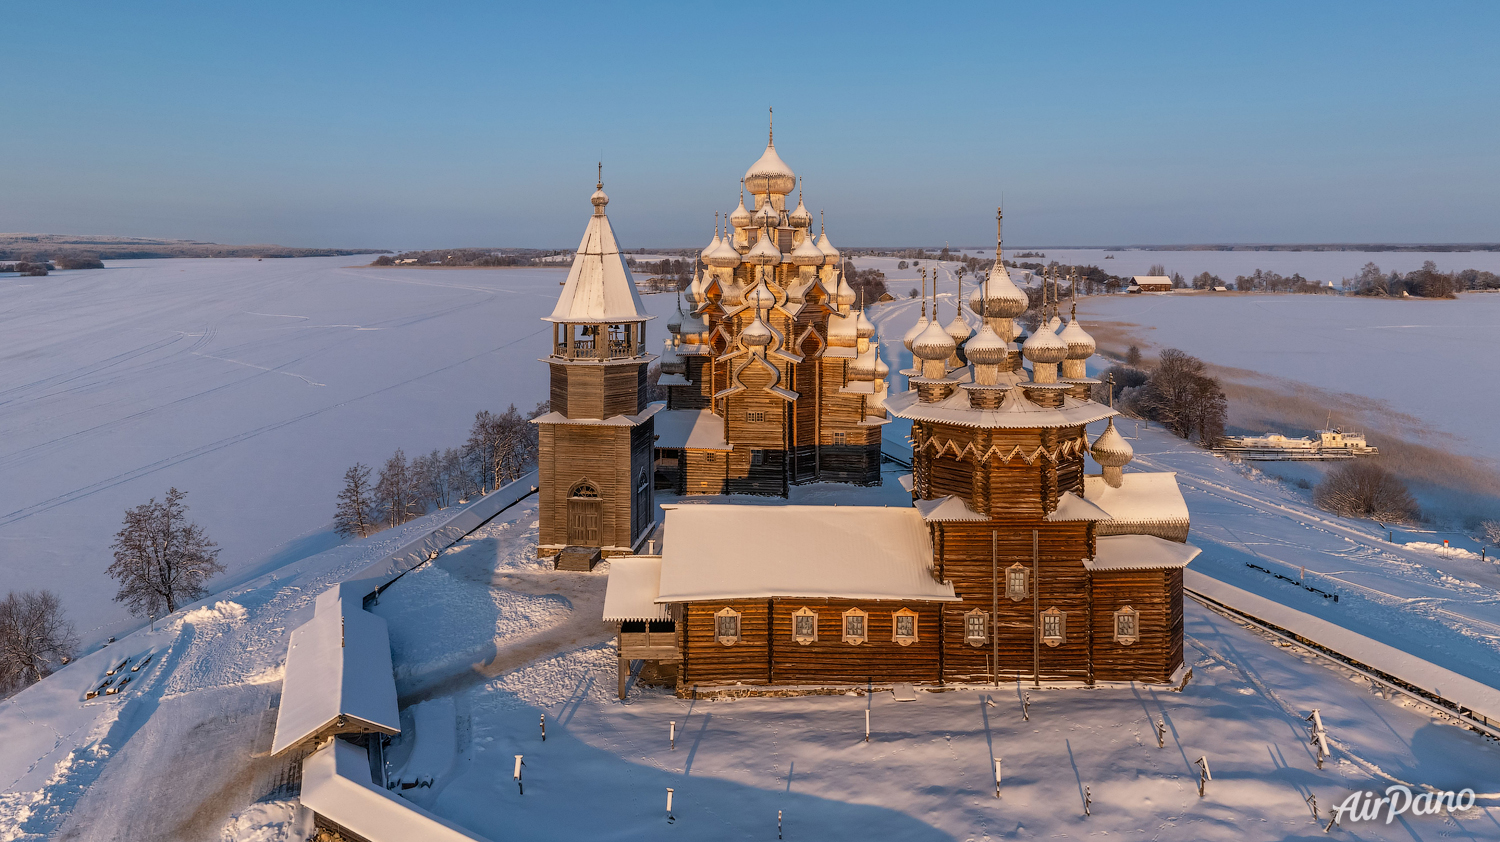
(431, 125)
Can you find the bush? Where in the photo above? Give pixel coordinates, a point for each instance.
(1364, 489)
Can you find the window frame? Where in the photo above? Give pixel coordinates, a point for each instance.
(1061, 617)
(840, 437)
(728, 613)
(896, 636)
(757, 457)
(864, 624)
(984, 635)
(1011, 592)
(1134, 617)
(755, 416)
(804, 639)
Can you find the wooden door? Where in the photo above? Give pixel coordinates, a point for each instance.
(584, 514)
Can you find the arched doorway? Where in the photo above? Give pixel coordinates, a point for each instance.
(584, 513)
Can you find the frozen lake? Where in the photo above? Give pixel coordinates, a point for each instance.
(1433, 360)
(251, 385)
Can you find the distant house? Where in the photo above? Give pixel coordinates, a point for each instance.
(1150, 283)
(405, 260)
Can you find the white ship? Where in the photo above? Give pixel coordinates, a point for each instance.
(1330, 444)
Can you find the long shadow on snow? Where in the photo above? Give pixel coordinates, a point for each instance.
(576, 791)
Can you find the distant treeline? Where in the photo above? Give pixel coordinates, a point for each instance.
(481, 257)
(88, 252)
(1426, 282)
(1438, 247)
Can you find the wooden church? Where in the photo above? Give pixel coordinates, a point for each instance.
(1011, 561)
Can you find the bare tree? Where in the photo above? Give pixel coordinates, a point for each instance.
(394, 492)
(1491, 531)
(430, 479)
(1362, 488)
(35, 638)
(162, 560)
(463, 480)
(1184, 398)
(355, 515)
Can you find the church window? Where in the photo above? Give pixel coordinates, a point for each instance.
(804, 626)
(977, 628)
(840, 438)
(904, 626)
(1054, 627)
(727, 626)
(757, 458)
(1127, 626)
(1017, 582)
(854, 626)
(755, 416)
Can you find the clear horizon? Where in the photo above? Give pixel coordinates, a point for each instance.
(387, 126)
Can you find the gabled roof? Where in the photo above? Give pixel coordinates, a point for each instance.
(725, 551)
(1139, 552)
(599, 288)
(1071, 507)
(1141, 498)
(634, 582)
(946, 509)
(338, 676)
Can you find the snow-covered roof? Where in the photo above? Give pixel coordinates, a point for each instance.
(1141, 497)
(337, 666)
(1071, 507)
(1139, 552)
(599, 288)
(770, 173)
(1014, 412)
(946, 508)
(695, 429)
(723, 551)
(555, 417)
(336, 784)
(1151, 279)
(634, 582)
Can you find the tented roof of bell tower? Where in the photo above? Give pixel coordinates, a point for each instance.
(599, 288)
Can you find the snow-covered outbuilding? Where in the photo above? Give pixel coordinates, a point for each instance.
(338, 677)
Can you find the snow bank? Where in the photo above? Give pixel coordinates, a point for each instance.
(267, 821)
(1446, 552)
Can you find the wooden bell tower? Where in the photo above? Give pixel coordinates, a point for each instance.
(597, 442)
